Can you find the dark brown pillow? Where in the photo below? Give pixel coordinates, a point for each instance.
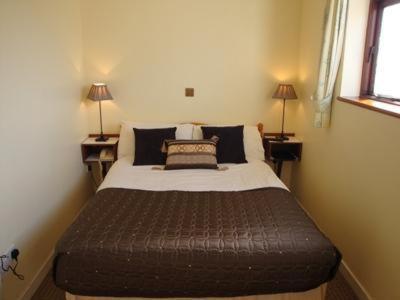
(230, 148)
(148, 144)
(191, 154)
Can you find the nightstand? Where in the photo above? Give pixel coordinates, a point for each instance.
(103, 152)
(280, 151)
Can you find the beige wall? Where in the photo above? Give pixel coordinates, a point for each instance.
(233, 52)
(349, 176)
(42, 121)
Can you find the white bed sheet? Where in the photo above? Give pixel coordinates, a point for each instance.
(254, 175)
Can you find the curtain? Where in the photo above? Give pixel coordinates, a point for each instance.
(332, 48)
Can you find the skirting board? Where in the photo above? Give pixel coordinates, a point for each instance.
(344, 269)
(44, 270)
(38, 278)
(352, 280)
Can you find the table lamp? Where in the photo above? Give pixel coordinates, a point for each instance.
(285, 92)
(99, 92)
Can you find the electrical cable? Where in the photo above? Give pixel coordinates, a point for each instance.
(14, 271)
(11, 268)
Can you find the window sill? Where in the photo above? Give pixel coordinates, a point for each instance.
(379, 106)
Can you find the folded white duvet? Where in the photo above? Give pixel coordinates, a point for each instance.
(254, 175)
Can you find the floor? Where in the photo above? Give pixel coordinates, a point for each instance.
(338, 289)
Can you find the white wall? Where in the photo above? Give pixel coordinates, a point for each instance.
(233, 52)
(42, 122)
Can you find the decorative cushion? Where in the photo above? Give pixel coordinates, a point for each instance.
(253, 143)
(191, 154)
(230, 147)
(148, 144)
(126, 145)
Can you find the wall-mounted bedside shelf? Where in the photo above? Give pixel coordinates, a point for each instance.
(103, 152)
(278, 152)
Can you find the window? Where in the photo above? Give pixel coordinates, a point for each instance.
(381, 74)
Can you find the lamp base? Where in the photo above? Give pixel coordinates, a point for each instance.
(282, 138)
(102, 138)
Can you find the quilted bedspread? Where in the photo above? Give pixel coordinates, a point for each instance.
(133, 243)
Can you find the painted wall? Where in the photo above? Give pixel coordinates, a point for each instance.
(233, 52)
(42, 122)
(349, 176)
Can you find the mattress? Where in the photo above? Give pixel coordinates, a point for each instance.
(174, 243)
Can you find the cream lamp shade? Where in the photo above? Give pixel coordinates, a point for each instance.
(285, 91)
(99, 92)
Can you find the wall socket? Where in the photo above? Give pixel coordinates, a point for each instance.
(7, 261)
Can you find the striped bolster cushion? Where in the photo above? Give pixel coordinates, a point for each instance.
(191, 154)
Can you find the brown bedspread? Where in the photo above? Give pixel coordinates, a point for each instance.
(193, 244)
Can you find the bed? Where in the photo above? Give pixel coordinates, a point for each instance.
(237, 233)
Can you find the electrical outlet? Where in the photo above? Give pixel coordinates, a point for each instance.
(7, 261)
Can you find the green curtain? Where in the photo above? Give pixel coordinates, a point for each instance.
(332, 48)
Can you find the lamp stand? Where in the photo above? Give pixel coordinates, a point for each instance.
(282, 137)
(101, 138)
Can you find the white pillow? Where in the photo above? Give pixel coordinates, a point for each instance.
(253, 146)
(126, 145)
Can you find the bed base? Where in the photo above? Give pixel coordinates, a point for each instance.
(315, 294)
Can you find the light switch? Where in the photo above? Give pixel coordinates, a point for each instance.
(189, 92)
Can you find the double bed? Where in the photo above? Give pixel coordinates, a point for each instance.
(237, 232)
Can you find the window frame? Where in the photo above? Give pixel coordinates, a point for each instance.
(372, 49)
